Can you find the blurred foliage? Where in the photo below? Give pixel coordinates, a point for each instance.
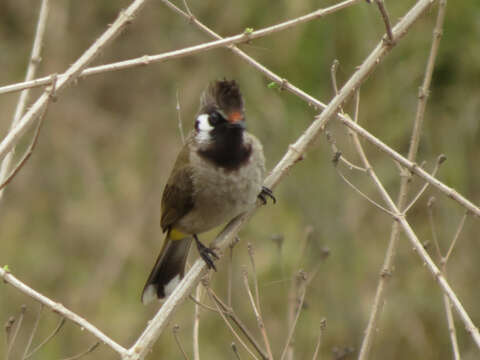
(81, 221)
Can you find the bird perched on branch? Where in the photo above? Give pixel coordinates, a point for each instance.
(218, 175)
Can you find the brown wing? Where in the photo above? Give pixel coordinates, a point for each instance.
(177, 199)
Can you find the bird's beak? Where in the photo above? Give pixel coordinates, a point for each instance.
(236, 119)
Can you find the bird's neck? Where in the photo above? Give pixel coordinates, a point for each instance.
(227, 150)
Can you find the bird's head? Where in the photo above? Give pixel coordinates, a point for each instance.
(221, 111)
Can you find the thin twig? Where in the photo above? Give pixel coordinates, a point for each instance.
(362, 194)
(386, 20)
(230, 275)
(323, 324)
(333, 75)
(455, 238)
(179, 116)
(209, 292)
(28, 152)
(196, 323)
(48, 338)
(13, 337)
(185, 4)
(339, 155)
(150, 59)
(433, 229)
(401, 201)
(32, 333)
(9, 326)
(60, 309)
(125, 17)
(228, 311)
(400, 218)
(451, 327)
(439, 161)
(235, 351)
(86, 352)
(251, 255)
(202, 305)
(258, 315)
(35, 59)
(175, 330)
(443, 261)
(300, 284)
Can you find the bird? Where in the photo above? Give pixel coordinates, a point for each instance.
(218, 175)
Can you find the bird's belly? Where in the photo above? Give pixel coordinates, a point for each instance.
(220, 196)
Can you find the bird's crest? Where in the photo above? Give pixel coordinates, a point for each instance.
(223, 95)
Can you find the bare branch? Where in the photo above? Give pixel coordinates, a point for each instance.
(401, 203)
(362, 194)
(339, 156)
(251, 255)
(48, 338)
(230, 273)
(439, 162)
(27, 154)
(443, 261)
(196, 323)
(235, 351)
(386, 20)
(323, 324)
(18, 324)
(179, 116)
(125, 17)
(333, 75)
(175, 331)
(209, 292)
(400, 218)
(32, 333)
(86, 352)
(455, 238)
(35, 59)
(451, 327)
(150, 59)
(60, 309)
(300, 283)
(228, 311)
(258, 315)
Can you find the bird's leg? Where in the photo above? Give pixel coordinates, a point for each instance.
(266, 193)
(206, 253)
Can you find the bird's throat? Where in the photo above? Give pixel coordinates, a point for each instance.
(227, 150)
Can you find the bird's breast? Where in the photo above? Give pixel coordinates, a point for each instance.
(221, 194)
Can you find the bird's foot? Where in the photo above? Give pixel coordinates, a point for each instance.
(266, 193)
(207, 254)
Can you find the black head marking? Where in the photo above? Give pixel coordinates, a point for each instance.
(223, 104)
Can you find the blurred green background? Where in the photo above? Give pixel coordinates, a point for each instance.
(80, 223)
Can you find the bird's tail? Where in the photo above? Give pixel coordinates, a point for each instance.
(169, 267)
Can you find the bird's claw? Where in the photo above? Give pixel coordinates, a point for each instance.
(266, 193)
(207, 254)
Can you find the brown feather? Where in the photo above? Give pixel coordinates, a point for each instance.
(224, 95)
(177, 199)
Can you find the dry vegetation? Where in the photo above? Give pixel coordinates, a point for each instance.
(336, 269)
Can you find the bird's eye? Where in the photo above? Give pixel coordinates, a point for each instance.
(215, 118)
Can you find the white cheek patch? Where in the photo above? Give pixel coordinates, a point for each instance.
(203, 128)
